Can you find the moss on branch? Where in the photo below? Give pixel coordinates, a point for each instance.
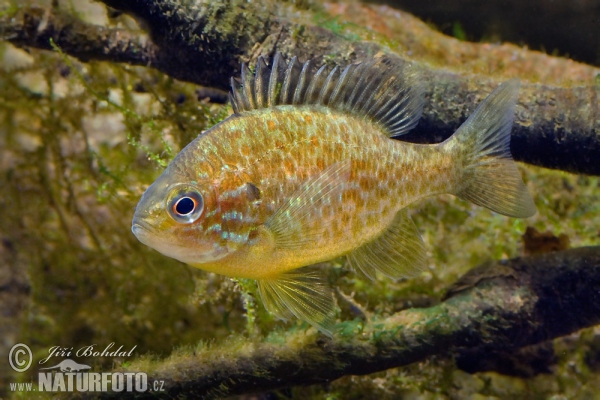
(503, 305)
(205, 42)
(35, 26)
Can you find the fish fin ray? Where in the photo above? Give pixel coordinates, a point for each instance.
(248, 99)
(387, 92)
(275, 84)
(301, 85)
(299, 221)
(262, 83)
(292, 72)
(327, 87)
(398, 252)
(233, 102)
(314, 87)
(493, 178)
(302, 293)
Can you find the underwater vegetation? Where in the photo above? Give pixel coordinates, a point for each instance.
(87, 126)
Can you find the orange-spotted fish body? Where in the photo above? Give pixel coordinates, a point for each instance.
(305, 171)
(272, 157)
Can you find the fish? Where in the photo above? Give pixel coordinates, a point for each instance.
(308, 168)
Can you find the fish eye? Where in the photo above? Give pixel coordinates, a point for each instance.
(185, 206)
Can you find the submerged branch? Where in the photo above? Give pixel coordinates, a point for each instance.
(503, 305)
(35, 26)
(205, 42)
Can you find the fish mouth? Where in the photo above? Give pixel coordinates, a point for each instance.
(140, 229)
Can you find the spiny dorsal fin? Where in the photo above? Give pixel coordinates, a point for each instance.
(384, 91)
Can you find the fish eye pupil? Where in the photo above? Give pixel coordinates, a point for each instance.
(185, 205)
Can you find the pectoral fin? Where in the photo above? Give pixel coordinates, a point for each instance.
(301, 293)
(301, 221)
(397, 252)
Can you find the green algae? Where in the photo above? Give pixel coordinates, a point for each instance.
(76, 160)
(337, 26)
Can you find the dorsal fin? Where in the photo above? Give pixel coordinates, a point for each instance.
(384, 91)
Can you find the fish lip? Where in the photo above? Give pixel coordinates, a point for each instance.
(140, 227)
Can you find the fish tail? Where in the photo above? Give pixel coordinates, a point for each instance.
(490, 177)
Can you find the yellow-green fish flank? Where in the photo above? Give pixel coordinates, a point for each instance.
(305, 171)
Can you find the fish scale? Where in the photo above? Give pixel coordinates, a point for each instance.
(376, 164)
(305, 171)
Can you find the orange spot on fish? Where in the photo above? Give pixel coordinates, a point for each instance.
(271, 124)
(308, 119)
(245, 150)
(288, 165)
(320, 164)
(345, 218)
(366, 184)
(353, 174)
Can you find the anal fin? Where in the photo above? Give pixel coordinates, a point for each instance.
(397, 252)
(301, 293)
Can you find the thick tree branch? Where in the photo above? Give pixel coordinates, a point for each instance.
(205, 42)
(505, 305)
(34, 27)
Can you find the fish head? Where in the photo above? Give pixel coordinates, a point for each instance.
(171, 217)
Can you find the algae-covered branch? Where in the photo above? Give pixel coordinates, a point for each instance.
(500, 306)
(205, 42)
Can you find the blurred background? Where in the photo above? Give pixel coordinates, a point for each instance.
(568, 28)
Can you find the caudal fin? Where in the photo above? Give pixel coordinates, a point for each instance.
(490, 176)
